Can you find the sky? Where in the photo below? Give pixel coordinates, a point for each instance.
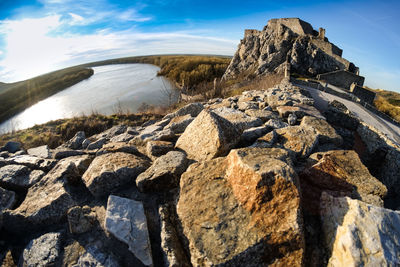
(44, 35)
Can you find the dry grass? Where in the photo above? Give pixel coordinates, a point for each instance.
(383, 105)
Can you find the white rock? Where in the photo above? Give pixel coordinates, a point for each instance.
(125, 219)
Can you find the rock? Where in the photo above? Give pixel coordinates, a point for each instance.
(250, 135)
(338, 114)
(193, 109)
(341, 173)
(124, 137)
(48, 200)
(125, 219)
(238, 118)
(300, 140)
(12, 146)
(292, 119)
(179, 124)
(173, 251)
(7, 199)
(32, 162)
(155, 149)
(113, 131)
(19, 177)
(276, 124)
(97, 144)
(245, 105)
(76, 141)
(80, 219)
(41, 152)
(7, 260)
(117, 147)
(110, 171)
(266, 52)
(327, 134)
(85, 143)
(42, 251)
(229, 224)
(359, 234)
(164, 174)
(61, 153)
(93, 257)
(81, 162)
(263, 115)
(150, 130)
(208, 136)
(299, 110)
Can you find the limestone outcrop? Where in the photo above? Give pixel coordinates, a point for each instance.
(282, 41)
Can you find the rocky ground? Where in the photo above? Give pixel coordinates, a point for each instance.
(258, 179)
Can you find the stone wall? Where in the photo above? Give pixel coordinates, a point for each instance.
(295, 24)
(341, 78)
(363, 94)
(327, 47)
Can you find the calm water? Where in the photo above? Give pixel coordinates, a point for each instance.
(110, 89)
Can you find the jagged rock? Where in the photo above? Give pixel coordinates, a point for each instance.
(266, 51)
(359, 234)
(19, 176)
(32, 162)
(125, 219)
(110, 171)
(76, 141)
(164, 174)
(292, 119)
(263, 115)
(48, 200)
(97, 144)
(299, 110)
(4, 154)
(242, 210)
(117, 147)
(208, 136)
(42, 251)
(124, 137)
(179, 124)
(164, 135)
(155, 149)
(245, 105)
(250, 135)
(93, 257)
(327, 134)
(12, 146)
(300, 140)
(80, 219)
(85, 143)
(81, 162)
(7, 260)
(276, 124)
(113, 131)
(238, 119)
(61, 153)
(173, 251)
(7, 199)
(193, 109)
(341, 173)
(338, 114)
(41, 152)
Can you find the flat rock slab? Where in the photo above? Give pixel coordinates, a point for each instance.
(125, 219)
(208, 136)
(42, 251)
(60, 153)
(110, 171)
(341, 173)
(113, 147)
(327, 133)
(41, 152)
(299, 110)
(238, 119)
(359, 234)
(263, 115)
(235, 209)
(164, 174)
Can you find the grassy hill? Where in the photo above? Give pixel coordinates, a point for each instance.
(388, 102)
(16, 97)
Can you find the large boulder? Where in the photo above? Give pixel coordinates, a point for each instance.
(110, 171)
(155, 149)
(262, 114)
(117, 147)
(359, 234)
(243, 210)
(208, 136)
(42, 251)
(164, 174)
(341, 173)
(179, 124)
(327, 134)
(76, 141)
(193, 109)
(12, 146)
(125, 219)
(19, 176)
(239, 119)
(41, 152)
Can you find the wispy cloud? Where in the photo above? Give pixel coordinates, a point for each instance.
(32, 49)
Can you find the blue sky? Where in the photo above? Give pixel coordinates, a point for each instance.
(44, 35)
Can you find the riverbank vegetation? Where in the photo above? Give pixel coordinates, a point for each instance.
(388, 102)
(16, 97)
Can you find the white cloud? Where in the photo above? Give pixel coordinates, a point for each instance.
(31, 49)
(76, 19)
(132, 15)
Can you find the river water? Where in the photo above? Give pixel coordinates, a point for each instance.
(111, 89)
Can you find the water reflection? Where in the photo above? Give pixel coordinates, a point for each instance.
(111, 89)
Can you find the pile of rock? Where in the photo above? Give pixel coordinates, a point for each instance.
(253, 180)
